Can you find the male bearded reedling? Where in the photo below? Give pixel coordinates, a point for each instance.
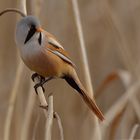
(42, 53)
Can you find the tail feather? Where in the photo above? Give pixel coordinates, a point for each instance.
(76, 84)
(93, 106)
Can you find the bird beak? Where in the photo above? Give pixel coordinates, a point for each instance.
(39, 29)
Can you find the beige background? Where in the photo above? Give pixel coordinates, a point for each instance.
(111, 31)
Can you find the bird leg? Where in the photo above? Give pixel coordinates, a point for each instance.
(42, 81)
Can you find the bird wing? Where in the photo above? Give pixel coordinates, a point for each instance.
(56, 48)
(52, 40)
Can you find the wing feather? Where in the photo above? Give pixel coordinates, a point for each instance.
(56, 48)
(52, 40)
(63, 57)
(56, 44)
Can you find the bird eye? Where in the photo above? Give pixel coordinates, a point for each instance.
(32, 27)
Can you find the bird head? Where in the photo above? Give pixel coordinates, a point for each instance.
(27, 28)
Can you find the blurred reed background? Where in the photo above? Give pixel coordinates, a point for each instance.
(111, 32)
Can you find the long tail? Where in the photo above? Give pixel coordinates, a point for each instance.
(74, 81)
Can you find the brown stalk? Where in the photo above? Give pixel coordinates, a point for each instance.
(113, 111)
(115, 123)
(111, 77)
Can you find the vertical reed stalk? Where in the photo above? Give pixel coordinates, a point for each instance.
(85, 65)
(31, 98)
(28, 113)
(133, 132)
(12, 100)
(49, 121)
(20, 68)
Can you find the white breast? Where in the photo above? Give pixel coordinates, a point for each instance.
(32, 48)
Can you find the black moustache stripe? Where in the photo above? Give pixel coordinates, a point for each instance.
(30, 34)
(40, 38)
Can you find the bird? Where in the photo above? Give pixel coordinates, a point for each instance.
(42, 53)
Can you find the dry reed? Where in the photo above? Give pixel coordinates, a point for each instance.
(104, 16)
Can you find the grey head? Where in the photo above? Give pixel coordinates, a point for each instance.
(27, 28)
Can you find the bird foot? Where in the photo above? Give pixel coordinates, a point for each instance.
(35, 75)
(42, 81)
